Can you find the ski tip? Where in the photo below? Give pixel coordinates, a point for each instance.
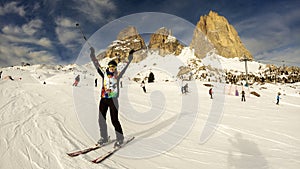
(72, 154)
(94, 161)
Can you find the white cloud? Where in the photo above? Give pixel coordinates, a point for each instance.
(272, 35)
(289, 57)
(27, 29)
(45, 42)
(66, 32)
(258, 45)
(267, 32)
(11, 30)
(26, 34)
(65, 22)
(94, 9)
(36, 6)
(41, 57)
(32, 27)
(23, 44)
(14, 55)
(12, 7)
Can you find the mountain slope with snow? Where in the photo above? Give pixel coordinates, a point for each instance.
(41, 122)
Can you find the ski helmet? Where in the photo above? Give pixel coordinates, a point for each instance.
(112, 63)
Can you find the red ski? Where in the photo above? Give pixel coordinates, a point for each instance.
(108, 154)
(89, 149)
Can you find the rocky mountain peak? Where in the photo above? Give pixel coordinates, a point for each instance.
(163, 41)
(127, 33)
(220, 34)
(128, 39)
(212, 33)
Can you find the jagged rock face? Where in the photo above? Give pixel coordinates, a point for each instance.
(163, 41)
(183, 70)
(221, 34)
(200, 43)
(128, 39)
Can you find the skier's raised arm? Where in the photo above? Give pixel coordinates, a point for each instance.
(130, 57)
(95, 62)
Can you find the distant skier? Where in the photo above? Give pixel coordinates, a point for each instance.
(278, 98)
(243, 96)
(0, 74)
(96, 82)
(109, 97)
(182, 89)
(77, 79)
(236, 92)
(210, 93)
(185, 88)
(143, 86)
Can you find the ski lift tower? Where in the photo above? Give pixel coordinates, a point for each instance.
(245, 59)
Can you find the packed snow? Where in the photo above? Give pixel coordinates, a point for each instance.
(43, 117)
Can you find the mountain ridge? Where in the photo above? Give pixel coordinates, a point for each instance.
(212, 32)
(185, 66)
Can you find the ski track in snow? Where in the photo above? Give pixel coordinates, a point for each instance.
(32, 127)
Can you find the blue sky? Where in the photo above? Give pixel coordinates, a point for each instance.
(43, 31)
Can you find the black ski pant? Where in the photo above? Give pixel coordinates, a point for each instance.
(113, 106)
(243, 98)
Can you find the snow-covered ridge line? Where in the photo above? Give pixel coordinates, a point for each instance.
(211, 68)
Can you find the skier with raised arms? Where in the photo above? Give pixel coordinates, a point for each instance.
(109, 97)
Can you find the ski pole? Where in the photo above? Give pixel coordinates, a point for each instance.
(78, 26)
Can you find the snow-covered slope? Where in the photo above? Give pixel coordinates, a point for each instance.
(41, 122)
